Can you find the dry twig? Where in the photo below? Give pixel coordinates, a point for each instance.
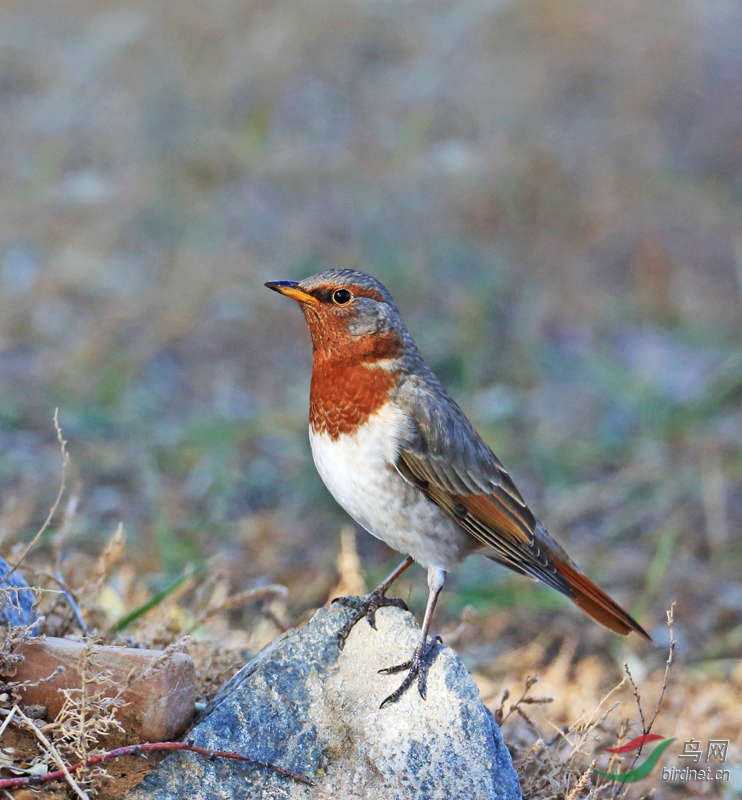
(522, 700)
(60, 493)
(64, 772)
(137, 749)
(647, 728)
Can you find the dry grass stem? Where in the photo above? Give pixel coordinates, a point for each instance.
(55, 505)
(52, 751)
(7, 720)
(352, 580)
(240, 599)
(669, 622)
(582, 782)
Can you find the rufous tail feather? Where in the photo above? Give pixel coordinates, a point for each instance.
(596, 603)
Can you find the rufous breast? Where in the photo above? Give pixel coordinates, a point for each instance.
(352, 382)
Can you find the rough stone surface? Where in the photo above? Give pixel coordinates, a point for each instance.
(159, 706)
(17, 600)
(306, 706)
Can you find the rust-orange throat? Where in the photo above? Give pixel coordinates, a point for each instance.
(354, 353)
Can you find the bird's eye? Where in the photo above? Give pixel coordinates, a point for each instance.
(341, 297)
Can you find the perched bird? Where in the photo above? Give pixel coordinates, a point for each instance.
(400, 456)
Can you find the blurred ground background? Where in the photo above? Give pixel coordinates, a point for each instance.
(552, 191)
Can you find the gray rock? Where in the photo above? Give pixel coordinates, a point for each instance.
(306, 706)
(17, 601)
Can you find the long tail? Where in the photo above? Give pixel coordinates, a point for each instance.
(596, 603)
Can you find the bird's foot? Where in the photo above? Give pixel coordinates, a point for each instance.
(365, 607)
(417, 667)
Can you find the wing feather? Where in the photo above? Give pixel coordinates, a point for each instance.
(444, 456)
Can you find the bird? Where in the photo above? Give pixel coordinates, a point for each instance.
(396, 451)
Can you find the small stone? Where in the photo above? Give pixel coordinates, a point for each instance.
(304, 705)
(158, 707)
(35, 712)
(17, 601)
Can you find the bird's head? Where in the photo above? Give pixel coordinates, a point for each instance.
(351, 315)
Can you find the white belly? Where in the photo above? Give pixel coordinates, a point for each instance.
(359, 471)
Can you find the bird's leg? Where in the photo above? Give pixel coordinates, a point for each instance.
(418, 665)
(367, 606)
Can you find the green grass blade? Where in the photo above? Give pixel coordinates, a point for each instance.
(154, 601)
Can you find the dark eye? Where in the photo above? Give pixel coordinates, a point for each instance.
(341, 297)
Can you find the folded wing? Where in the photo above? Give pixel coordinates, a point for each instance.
(443, 455)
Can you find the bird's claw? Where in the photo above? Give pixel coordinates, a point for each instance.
(365, 607)
(417, 667)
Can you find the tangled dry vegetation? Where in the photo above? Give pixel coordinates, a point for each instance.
(555, 738)
(560, 764)
(100, 601)
(192, 618)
